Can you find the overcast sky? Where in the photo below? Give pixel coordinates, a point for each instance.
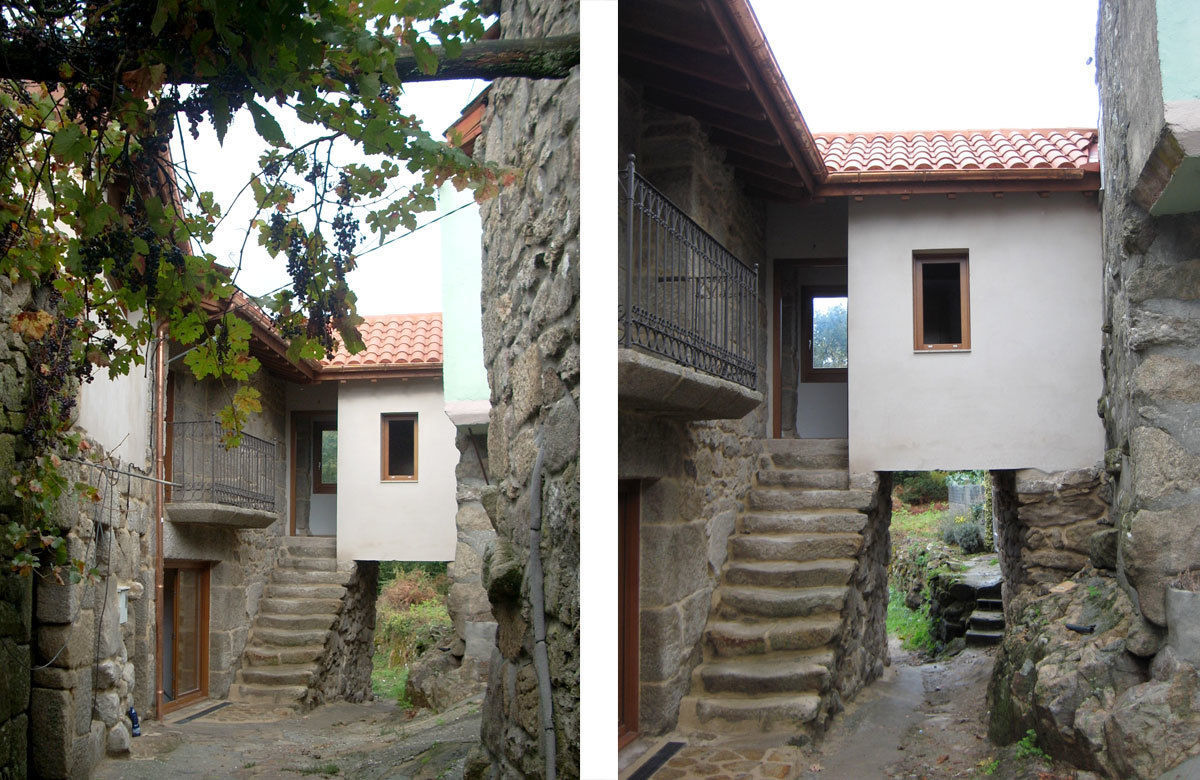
(403, 277)
(936, 64)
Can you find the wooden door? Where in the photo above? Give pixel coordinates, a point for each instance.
(628, 557)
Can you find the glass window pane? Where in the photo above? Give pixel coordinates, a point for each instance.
(941, 295)
(829, 332)
(187, 632)
(329, 456)
(401, 448)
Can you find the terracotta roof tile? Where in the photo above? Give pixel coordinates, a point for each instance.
(392, 340)
(949, 151)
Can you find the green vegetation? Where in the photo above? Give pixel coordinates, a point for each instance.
(921, 487)
(922, 525)
(320, 769)
(829, 333)
(989, 767)
(411, 617)
(1027, 747)
(966, 532)
(910, 626)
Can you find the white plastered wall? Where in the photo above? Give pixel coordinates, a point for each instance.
(1025, 395)
(395, 521)
(115, 412)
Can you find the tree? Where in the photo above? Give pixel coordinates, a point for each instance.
(829, 348)
(94, 209)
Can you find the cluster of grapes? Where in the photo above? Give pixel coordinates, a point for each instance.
(58, 369)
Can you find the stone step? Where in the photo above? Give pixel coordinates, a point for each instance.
(273, 606)
(308, 590)
(793, 547)
(763, 674)
(794, 574)
(279, 674)
(984, 637)
(728, 638)
(295, 622)
(804, 521)
(308, 564)
(990, 605)
(823, 479)
(284, 637)
(312, 547)
(746, 714)
(781, 498)
(281, 695)
(309, 577)
(261, 655)
(749, 601)
(806, 454)
(984, 620)
(991, 591)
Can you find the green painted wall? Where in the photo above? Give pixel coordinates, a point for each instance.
(463, 375)
(1179, 48)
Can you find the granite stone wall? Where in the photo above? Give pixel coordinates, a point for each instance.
(90, 662)
(467, 602)
(530, 295)
(1151, 352)
(16, 629)
(344, 671)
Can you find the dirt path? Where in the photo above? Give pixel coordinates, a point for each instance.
(373, 740)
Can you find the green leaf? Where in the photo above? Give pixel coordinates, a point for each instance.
(70, 144)
(221, 115)
(426, 59)
(165, 9)
(266, 126)
(368, 85)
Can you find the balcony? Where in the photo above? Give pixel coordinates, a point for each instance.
(688, 317)
(215, 486)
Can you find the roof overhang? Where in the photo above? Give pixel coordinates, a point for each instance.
(710, 60)
(388, 371)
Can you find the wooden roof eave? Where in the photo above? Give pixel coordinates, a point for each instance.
(738, 24)
(1088, 181)
(388, 371)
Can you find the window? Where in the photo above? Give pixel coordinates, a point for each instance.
(824, 356)
(324, 461)
(399, 448)
(941, 302)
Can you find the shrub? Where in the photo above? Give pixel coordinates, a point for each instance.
(967, 533)
(910, 626)
(412, 587)
(404, 634)
(921, 487)
(435, 571)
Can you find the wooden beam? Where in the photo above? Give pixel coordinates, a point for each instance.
(773, 187)
(711, 95)
(724, 120)
(1087, 185)
(772, 153)
(679, 28)
(649, 51)
(785, 174)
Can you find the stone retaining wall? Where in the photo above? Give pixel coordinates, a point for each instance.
(530, 295)
(16, 625)
(345, 668)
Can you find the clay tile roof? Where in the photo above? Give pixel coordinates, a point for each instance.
(393, 340)
(995, 150)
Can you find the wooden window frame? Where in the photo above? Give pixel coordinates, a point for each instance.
(202, 639)
(319, 485)
(920, 259)
(808, 374)
(384, 419)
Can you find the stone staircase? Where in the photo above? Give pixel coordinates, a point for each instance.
(986, 626)
(776, 615)
(295, 615)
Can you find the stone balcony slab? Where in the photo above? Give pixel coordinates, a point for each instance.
(648, 383)
(219, 515)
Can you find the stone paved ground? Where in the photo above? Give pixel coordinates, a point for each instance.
(373, 740)
(731, 763)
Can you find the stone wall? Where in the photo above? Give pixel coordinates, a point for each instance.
(15, 632)
(1045, 524)
(345, 668)
(695, 477)
(864, 616)
(530, 293)
(467, 602)
(89, 665)
(1152, 323)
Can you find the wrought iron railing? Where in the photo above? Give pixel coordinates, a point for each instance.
(203, 470)
(683, 295)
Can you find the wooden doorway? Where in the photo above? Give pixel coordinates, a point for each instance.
(185, 632)
(628, 560)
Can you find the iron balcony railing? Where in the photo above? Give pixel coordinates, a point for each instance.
(204, 471)
(683, 295)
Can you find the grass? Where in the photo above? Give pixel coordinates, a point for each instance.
(390, 682)
(1027, 747)
(919, 525)
(320, 769)
(910, 626)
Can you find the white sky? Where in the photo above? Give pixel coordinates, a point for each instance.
(936, 64)
(405, 276)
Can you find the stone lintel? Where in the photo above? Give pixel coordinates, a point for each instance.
(219, 515)
(654, 384)
(1169, 182)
